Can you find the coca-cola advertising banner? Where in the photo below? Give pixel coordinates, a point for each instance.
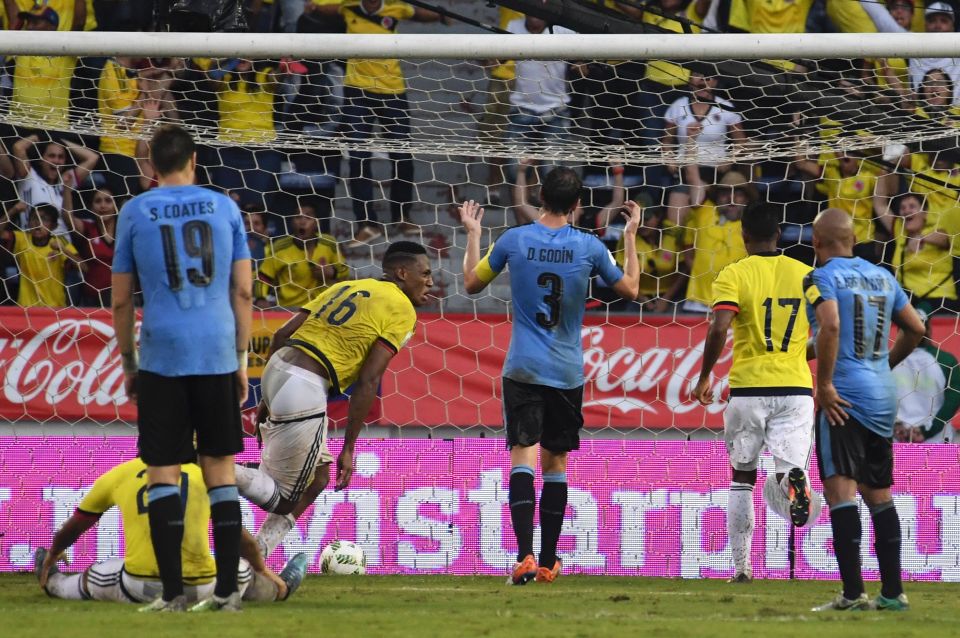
(63, 365)
(636, 508)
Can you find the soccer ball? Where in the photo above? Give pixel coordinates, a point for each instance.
(343, 557)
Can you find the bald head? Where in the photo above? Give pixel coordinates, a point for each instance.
(833, 234)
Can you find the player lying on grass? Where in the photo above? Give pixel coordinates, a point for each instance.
(136, 578)
(855, 305)
(345, 337)
(771, 388)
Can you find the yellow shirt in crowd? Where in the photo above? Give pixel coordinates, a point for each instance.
(658, 263)
(246, 110)
(118, 91)
(287, 267)
(375, 76)
(42, 270)
(716, 242)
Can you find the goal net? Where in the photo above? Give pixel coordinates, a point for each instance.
(345, 145)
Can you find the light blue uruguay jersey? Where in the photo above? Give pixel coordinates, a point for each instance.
(550, 271)
(181, 242)
(867, 298)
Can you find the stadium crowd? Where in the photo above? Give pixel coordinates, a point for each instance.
(61, 186)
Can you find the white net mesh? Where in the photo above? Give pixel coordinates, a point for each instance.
(334, 158)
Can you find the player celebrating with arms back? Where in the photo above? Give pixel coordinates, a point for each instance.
(771, 388)
(551, 264)
(187, 247)
(858, 403)
(346, 336)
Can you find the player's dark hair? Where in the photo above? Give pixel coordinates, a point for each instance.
(400, 253)
(762, 221)
(48, 213)
(171, 148)
(561, 190)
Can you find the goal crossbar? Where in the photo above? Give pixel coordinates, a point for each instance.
(485, 46)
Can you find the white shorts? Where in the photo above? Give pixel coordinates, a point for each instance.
(109, 581)
(782, 424)
(295, 435)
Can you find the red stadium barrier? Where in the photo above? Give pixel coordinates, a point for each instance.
(62, 365)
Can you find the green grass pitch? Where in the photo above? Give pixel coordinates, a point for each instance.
(422, 606)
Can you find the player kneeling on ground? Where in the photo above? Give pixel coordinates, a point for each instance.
(136, 578)
(346, 336)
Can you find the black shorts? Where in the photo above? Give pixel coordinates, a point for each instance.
(854, 451)
(171, 409)
(540, 414)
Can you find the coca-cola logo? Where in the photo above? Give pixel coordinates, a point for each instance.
(641, 379)
(56, 365)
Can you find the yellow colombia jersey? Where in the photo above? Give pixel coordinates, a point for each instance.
(770, 16)
(42, 270)
(716, 243)
(658, 261)
(117, 92)
(286, 266)
(771, 327)
(928, 272)
(376, 76)
(246, 110)
(349, 319)
(940, 191)
(854, 195)
(41, 88)
(125, 487)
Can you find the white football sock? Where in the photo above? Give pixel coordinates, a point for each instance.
(65, 586)
(740, 521)
(271, 533)
(257, 487)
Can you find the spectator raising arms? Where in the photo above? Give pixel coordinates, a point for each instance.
(41, 258)
(94, 239)
(43, 181)
(126, 102)
(699, 129)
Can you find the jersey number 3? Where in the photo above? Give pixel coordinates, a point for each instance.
(552, 299)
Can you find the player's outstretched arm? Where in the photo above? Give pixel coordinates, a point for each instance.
(629, 285)
(241, 298)
(66, 536)
(909, 336)
(123, 325)
(470, 216)
(827, 347)
(362, 397)
(720, 321)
